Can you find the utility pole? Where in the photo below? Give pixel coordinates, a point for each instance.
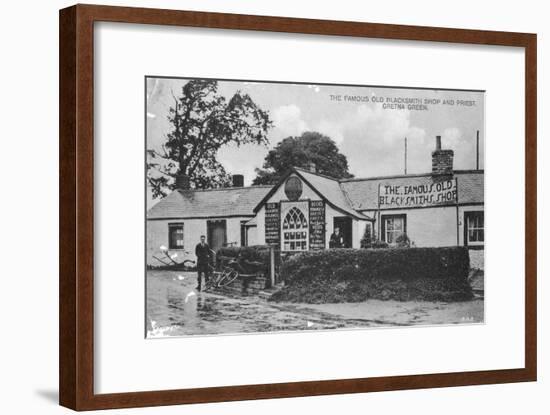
(477, 150)
(405, 155)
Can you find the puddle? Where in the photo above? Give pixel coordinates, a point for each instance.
(175, 308)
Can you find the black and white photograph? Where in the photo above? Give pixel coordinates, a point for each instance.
(279, 206)
(264, 207)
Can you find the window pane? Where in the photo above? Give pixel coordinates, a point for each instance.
(481, 235)
(398, 224)
(475, 223)
(296, 238)
(175, 236)
(479, 221)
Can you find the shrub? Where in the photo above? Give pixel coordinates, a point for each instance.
(367, 238)
(369, 241)
(357, 274)
(403, 241)
(404, 264)
(376, 245)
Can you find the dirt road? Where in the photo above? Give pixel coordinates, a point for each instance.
(175, 308)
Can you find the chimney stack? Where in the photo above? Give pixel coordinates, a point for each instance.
(442, 160)
(238, 180)
(312, 167)
(182, 182)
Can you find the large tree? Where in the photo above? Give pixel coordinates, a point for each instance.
(202, 121)
(310, 147)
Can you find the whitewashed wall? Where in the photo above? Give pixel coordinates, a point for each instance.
(252, 235)
(157, 235)
(358, 227)
(427, 226)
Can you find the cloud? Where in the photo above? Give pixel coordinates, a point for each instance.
(381, 125)
(451, 137)
(332, 130)
(463, 145)
(374, 140)
(288, 121)
(155, 89)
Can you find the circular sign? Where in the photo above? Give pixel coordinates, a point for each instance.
(293, 188)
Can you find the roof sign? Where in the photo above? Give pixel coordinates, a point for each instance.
(433, 193)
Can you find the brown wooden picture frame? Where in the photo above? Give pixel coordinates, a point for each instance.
(76, 155)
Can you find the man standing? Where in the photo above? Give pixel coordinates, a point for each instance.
(203, 253)
(336, 240)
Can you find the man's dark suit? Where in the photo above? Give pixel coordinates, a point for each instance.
(336, 241)
(204, 255)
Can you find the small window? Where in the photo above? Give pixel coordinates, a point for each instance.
(175, 235)
(475, 228)
(295, 231)
(392, 227)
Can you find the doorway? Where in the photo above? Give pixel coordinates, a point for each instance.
(344, 223)
(216, 233)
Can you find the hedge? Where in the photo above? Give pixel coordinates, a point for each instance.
(352, 275)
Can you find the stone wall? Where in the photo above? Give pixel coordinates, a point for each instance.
(248, 286)
(477, 258)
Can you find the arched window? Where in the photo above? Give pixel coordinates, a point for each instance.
(295, 232)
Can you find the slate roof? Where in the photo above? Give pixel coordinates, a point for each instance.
(252, 222)
(349, 195)
(232, 201)
(331, 190)
(363, 193)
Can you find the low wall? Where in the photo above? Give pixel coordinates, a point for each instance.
(247, 286)
(477, 258)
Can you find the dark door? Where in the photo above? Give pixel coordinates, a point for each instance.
(344, 223)
(217, 233)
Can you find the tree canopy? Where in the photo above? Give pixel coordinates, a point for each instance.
(202, 121)
(310, 147)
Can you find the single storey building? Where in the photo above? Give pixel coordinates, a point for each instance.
(444, 207)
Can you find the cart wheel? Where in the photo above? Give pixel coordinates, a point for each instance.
(229, 275)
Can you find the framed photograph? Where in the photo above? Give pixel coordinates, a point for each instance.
(259, 207)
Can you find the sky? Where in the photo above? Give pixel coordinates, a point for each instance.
(366, 122)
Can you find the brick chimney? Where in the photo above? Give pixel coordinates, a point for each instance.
(442, 160)
(238, 180)
(312, 167)
(183, 182)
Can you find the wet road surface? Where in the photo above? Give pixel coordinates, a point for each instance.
(176, 308)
